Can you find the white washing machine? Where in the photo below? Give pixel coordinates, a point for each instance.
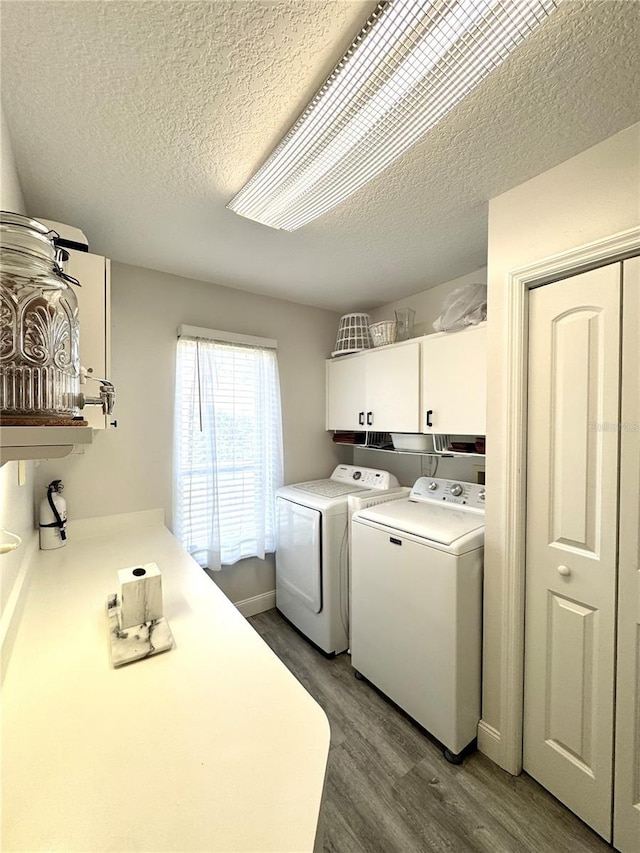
(416, 605)
(312, 552)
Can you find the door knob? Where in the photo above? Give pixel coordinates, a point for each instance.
(565, 571)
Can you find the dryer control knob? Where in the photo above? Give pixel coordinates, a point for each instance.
(433, 487)
(456, 490)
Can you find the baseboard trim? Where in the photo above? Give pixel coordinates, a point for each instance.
(257, 603)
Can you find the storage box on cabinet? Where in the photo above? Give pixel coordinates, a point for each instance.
(94, 298)
(378, 389)
(454, 382)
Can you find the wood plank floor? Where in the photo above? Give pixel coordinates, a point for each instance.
(389, 789)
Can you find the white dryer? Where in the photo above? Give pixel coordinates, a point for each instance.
(312, 552)
(416, 605)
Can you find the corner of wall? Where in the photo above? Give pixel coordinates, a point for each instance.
(11, 197)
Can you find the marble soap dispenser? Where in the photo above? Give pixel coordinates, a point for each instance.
(140, 594)
(137, 628)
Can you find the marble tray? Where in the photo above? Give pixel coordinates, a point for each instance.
(141, 641)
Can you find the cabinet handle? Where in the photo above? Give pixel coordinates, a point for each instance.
(429, 413)
(369, 418)
(361, 418)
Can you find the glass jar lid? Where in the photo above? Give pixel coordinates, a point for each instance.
(27, 240)
(9, 218)
(27, 265)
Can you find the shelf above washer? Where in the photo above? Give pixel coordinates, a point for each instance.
(444, 453)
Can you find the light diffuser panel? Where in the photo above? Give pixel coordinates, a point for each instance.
(412, 62)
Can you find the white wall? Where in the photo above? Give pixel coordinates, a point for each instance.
(589, 197)
(16, 502)
(129, 468)
(428, 303)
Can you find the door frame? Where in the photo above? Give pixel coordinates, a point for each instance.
(520, 281)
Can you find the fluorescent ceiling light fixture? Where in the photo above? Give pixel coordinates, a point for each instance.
(412, 62)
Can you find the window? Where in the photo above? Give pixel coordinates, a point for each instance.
(227, 446)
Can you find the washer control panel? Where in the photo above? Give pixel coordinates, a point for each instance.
(365, 478)
(456, 492)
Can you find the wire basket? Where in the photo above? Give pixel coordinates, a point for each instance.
(353, 334)
(441, 442)
(383, 333)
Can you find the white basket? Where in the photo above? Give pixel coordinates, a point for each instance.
(412, 441)
(353, 334)
(383, 333)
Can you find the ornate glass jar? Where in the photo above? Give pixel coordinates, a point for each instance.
(39, 330)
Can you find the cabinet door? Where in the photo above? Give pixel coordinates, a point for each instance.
(454, 382)
(92, 271)
(346, 393)
(393, 388)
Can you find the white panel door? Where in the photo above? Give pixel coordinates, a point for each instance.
(572, 508)
(626, 821)
(298, 554)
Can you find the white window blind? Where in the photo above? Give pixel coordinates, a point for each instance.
(227, 450)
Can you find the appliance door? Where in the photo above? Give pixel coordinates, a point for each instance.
(299, 552)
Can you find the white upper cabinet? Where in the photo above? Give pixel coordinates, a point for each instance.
(346, 393)
(393, 388)
(454, 382)
(433, 384)
(377, 390)
(94, 299)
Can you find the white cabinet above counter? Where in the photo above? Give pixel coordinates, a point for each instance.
(432, 384)
(94, 310)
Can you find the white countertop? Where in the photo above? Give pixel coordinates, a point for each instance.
(212, 746)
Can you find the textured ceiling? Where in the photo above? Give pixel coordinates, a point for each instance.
(138, 121)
